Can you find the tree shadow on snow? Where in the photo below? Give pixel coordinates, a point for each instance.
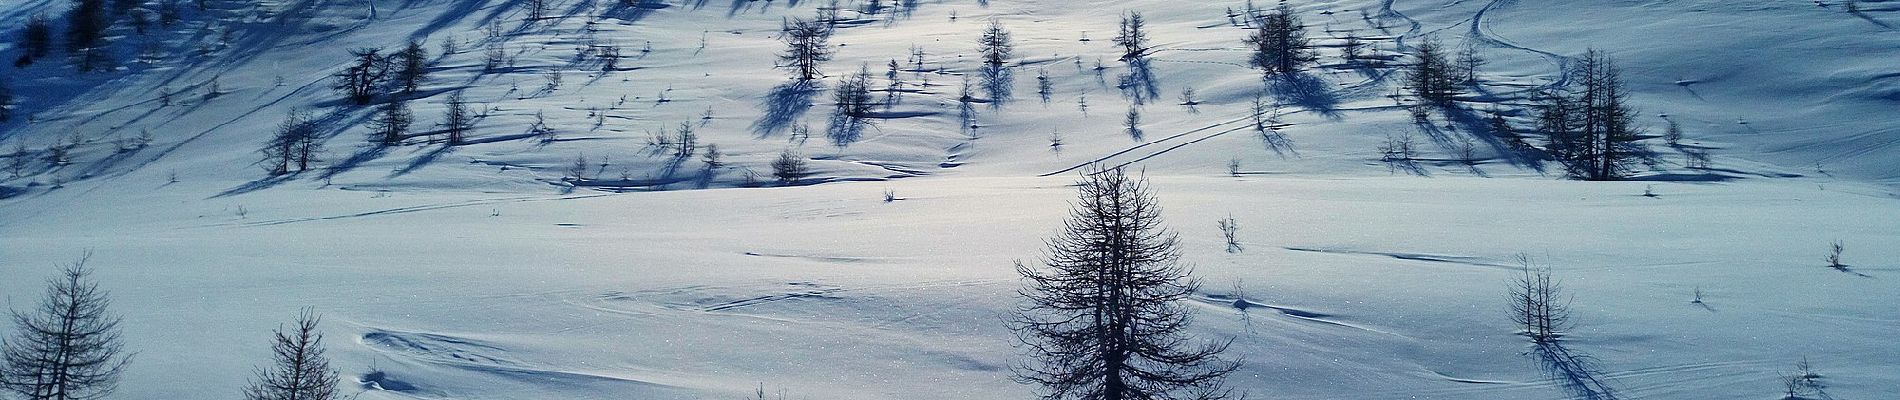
(999, 83)
(845, 130)
(1306, 91)
(1139, 85)
(1577, 373)
(784, 104)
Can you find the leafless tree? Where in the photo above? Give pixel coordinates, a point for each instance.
(69, 347)
(1536, 304)
(1104, 318)
(299, 370)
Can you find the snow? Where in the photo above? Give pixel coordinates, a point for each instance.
(479, 272)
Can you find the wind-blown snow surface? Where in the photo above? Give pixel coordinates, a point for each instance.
(478, 272)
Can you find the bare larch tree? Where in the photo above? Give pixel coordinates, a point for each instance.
(299, 370)
(69, 347)
(1104, 318)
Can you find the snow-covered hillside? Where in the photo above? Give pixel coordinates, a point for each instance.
(490, 270)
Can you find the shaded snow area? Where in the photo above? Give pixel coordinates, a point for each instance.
(567, 250)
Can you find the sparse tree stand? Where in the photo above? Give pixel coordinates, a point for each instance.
(1103, 318)
(294, 144)
(1430, 77)
(456, 120)
(362, 78)
(994, 44)
(1592, 131)
(299, 370)
(1279, 44)
(853, 96)
(392, 122)
(69, 347)
(1133, 36)
(806, 45)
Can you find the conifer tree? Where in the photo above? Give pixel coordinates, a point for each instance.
(1279, 44)
(299, 370)
(1133, 36)
(361, 80)
(69, 347)
(995, 44)
(1104, 317)
(392, 122)
(412, 67)
(805, 47)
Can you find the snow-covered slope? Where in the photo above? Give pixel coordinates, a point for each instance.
(481, 271)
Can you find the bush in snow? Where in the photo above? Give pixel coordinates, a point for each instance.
(790, 167)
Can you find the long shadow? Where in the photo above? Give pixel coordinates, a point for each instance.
(1139, 84)
(1576, 372)
(422, 161)
(784, 105)
(632, 13)
(1870, 18)
(460, 10)
(999, 83)
(256, 185)
(845, 130)
(1847, 269)
(1502, 143)
(363, 155)
(1307, 91)
(1279, 143)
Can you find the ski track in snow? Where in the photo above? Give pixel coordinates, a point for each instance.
(408, 209)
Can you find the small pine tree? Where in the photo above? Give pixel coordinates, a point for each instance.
(69, 347)
(1133, 36)
(686, 143)
(1671, 134)
(806, 47)
(1353, 50)
(392, 122)
(713, 158)
(86, 25)
(457, 120)
(995, 44)
(1279, 44)
(412, 66)
(1537, 303)
(1468, 63)
(299, 370)
(853, 95)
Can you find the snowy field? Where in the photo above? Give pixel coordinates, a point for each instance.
(488, 271)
